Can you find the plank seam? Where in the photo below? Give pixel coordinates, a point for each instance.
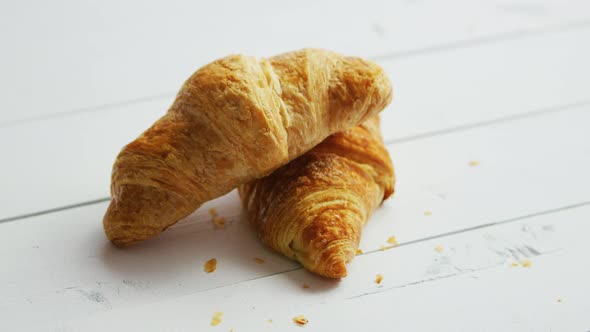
(466, 43)
(423, 281)
(475, 125)
(506, 221)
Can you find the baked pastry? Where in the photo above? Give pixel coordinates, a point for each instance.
(235, 120)
(312, 210)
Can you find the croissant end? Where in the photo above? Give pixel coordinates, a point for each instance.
(139, 212)
(361, 84)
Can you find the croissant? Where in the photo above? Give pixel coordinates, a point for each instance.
(312, 210)
(235, 120)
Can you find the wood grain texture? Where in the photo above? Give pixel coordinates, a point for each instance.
(434, 175)
(83, 55)
(489, 139)
(471, 285)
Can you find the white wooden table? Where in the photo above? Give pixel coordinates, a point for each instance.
(489, 131)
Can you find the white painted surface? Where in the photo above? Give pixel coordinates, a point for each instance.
(86, 275)
(63, 56)
(503, 83)
(433, 92)
(470, 285)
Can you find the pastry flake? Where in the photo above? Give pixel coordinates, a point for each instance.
(526, 263)
(210, 265)
(392, 240)
(216, 319)
(219, 222)
(300, 320)
(378, 279)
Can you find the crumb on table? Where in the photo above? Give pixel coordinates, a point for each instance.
(427, 213)
(386, 247)
(526, 263)
(359, 251)
(216, 319)
(219, 222)
(378, 279)
(306, 286)
(438, 248)
(258, 260)
(210, 265)
(474, 163)
(392, 240)
(300, 320)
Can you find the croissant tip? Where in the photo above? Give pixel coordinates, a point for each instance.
(123, 234)
(335, 267)
(337, 270)
(119, 236)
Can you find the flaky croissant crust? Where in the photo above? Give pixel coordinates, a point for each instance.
(312, 210)
(235, 120)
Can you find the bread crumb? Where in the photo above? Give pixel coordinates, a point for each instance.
(300, 320)
(526, 263)
(427, 213)
(386, 247)
(259, 260)
(378, 279)
(270, 321)
(392, 240)
(474, 163)
(438, 248)
(514, 264)
(216, 319)
(219, 222)
(306, 286)
(210, 265)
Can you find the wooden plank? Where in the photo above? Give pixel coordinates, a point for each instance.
(433, 92)
(461, 87)
(471, 284)
(72, 55)
(65, 269)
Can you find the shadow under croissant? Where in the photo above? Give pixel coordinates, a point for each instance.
(178, 255)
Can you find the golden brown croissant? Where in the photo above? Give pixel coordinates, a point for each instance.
(235, 120)
(312, 210)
